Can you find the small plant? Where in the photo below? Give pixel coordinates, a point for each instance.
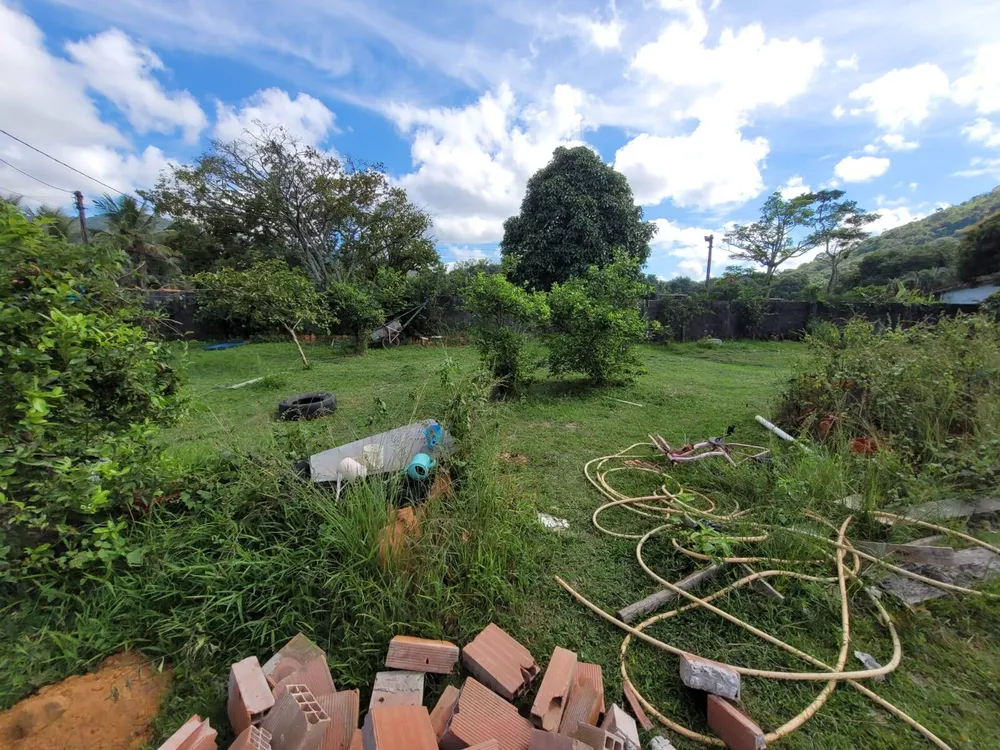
(709, 541)
(596, 322)
(503, 312)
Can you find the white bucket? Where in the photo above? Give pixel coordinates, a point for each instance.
(371, 457)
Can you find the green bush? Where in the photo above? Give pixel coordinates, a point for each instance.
(931, 391)
(83, 388)
(502, 313)
(596, 322)
(359, 308)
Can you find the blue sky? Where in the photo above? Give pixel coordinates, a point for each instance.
(706, 107)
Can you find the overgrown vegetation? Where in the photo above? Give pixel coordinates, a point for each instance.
(82, 389)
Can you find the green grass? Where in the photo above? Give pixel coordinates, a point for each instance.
(256, 557)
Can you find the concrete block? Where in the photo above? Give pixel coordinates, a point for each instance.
(550, 701)
(661, 743)
(618, 722)
(421, 655)
(249, 696)
(710, 676)
(398, 688)
(732, 726)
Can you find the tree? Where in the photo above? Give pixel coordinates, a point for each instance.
(576, 212)
(269, 296)
(267, 192)
(837, 227)
(56, 222)
(134, 229)
(980, 250)
(770, 241)
(596, 322)
(502, 312)
(883, 266)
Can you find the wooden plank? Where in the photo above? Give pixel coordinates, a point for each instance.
(658, 599)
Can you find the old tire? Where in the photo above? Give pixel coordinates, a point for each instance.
(307, 406)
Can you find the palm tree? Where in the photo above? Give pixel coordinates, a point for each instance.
(57, 223)
(132, 228)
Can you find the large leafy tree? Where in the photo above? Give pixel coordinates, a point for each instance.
(576, 213)
(771, 240)
(135, 230)
(980, 251)
(838, 226)
(269, 194)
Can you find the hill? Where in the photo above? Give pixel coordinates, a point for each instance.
(942, 229)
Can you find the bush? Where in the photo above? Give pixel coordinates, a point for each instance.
(932, 391)
(83, 389)
(359, 308)
(596, 322)
(502, 313)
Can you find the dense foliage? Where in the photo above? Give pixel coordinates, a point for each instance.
(266, 297)
(82, 388)
(980, 251)
(503, 312)
(576, 213)
(771, 241)
(596, 324)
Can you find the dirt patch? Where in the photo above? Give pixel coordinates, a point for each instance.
(515, 458)
(111, 709)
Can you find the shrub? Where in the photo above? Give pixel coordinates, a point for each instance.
(502, 313)
(360, 309)
(596, 322)
(83, 388)
(932, 391)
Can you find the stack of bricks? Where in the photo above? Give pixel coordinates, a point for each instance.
(291, 703)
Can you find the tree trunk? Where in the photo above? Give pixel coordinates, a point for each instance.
(291, 331)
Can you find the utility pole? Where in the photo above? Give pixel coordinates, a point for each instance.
(709, 238)
(83, 217)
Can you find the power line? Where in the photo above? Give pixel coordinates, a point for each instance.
(21, 195)
(57, 161)
(47, 184)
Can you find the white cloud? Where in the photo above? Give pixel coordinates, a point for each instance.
(898, 142)
(46, 104)
(713, 166)
(117, 68)
(903, 96)
(860, 168)
(981, 167)
(889, 218)
(304, 117)
(606, 35)
(850, 63)
(464, 254)
(983, 131)
(838, 112)
(472, 163)
(981, 86)
(914, 185)
(688, 245)
(794, 188)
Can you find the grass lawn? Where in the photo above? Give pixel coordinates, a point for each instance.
(948, 679)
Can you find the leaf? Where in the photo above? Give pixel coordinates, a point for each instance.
(135, 558)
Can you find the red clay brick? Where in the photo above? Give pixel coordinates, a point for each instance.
(398, 688)
(550, 702)
(342, 708)
(597, 738)
(583, 707)
(291, 657)
(398, 728)
(500, 662)
(443, 709)
(186, 732)
(252, 738)
(297, 721)
(542, 740)
(488, 745)
(249, 694)
(421, 655)
(315, 675)
(733, 727)
(357, 743)
(203, 739)
(636, 706)
(482, 715)
(618, 722)
(592, 673)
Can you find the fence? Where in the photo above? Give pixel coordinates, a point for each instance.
(766, 319)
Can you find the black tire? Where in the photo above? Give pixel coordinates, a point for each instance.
(307, 406)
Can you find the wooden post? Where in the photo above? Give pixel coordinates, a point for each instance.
(83, 217)
(709, 238)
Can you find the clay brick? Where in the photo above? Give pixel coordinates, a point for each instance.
(291, 657)
(542, 740)
(597, 738)
(186, 732)
(636, 706)
(249, 694)
(203, 739)
(443, 709)
(482, 715)
(398, 728)
(421, 655)
(397, 689)
(342, 708)
(583, 706)
(315, 675)
(550, 702)
(710, 676)
(297, 721)
(357, 743)
(500, 662)
(252, 738)
(618, 722)
(488, 745)
(592, 673)
(733, 727)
